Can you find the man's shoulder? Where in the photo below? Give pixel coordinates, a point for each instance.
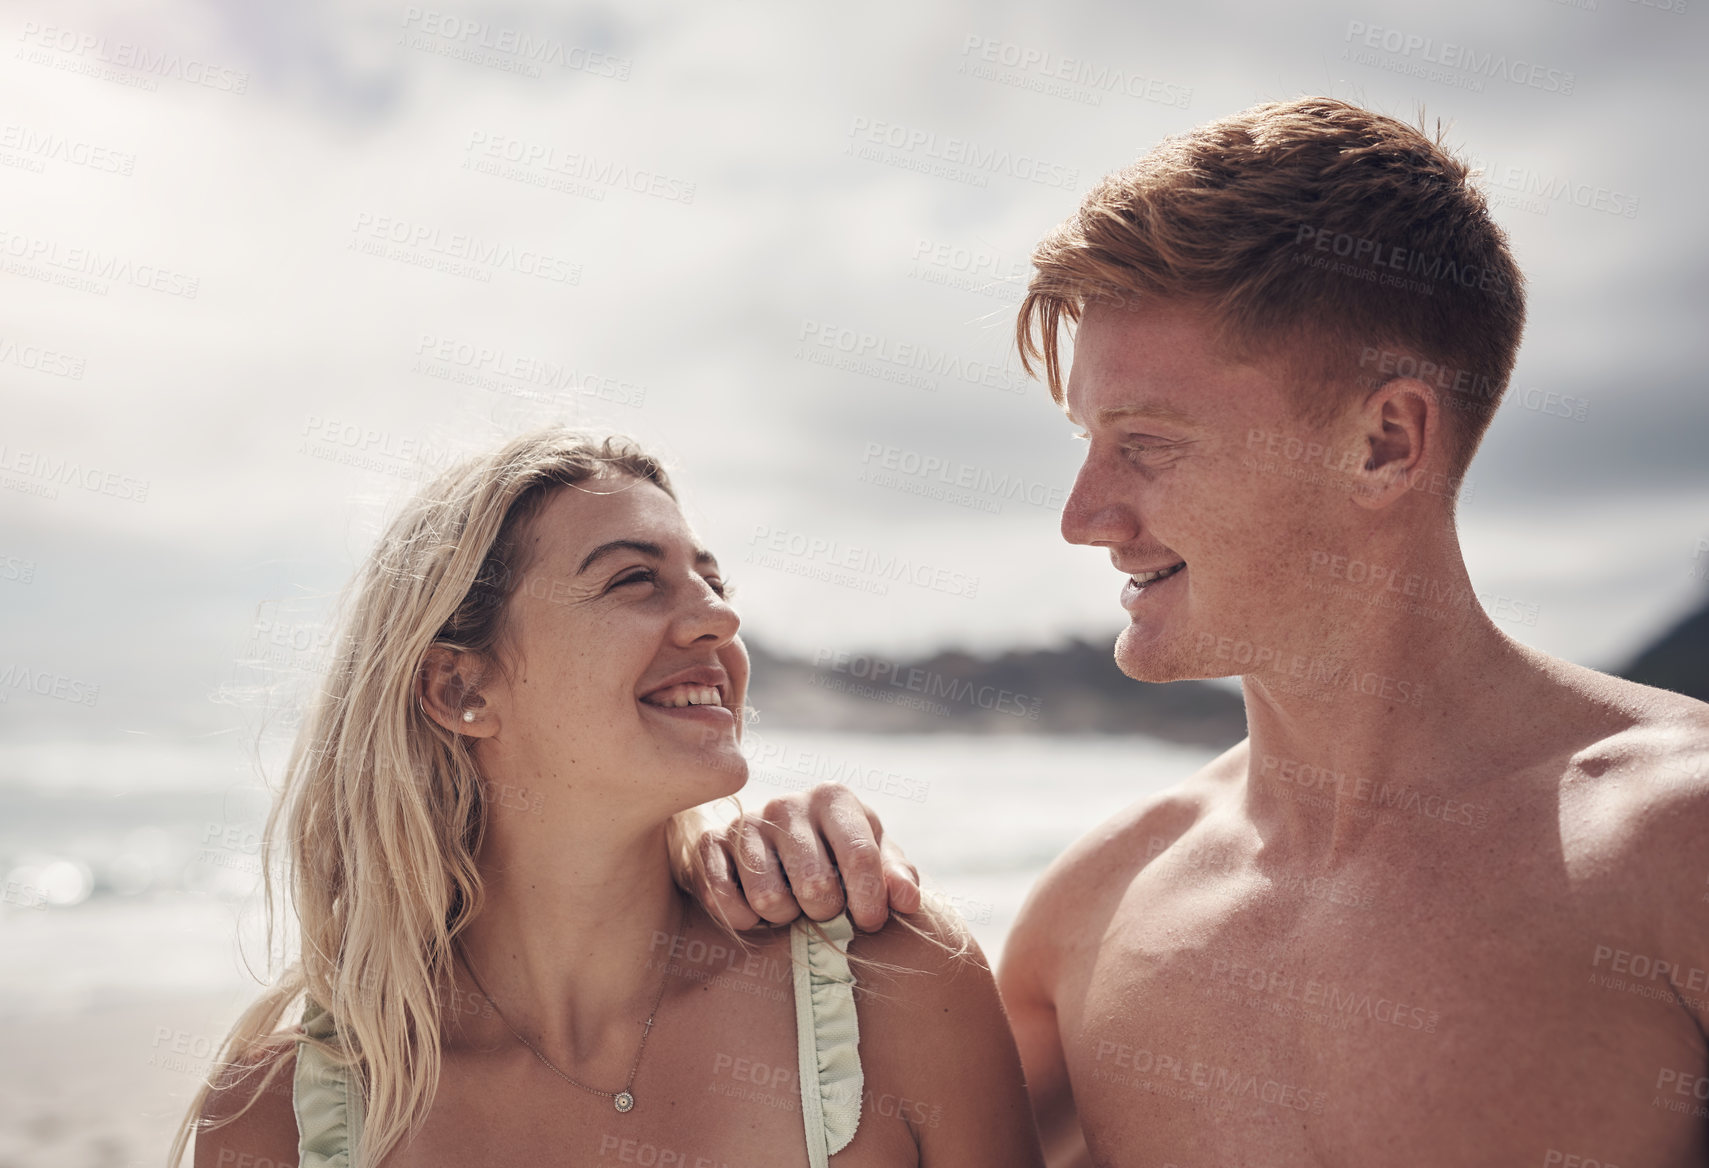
(1652, 773)
(1095, 870)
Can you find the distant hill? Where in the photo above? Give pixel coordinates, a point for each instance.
(1076, 689)
(1679, 659)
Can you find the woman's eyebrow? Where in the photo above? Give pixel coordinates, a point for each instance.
(621, 545)
(702, 557)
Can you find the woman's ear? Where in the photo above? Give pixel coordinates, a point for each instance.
(447, 685)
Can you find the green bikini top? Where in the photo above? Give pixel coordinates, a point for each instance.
(330, 1108)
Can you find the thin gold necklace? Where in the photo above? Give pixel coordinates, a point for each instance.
(623, 1099)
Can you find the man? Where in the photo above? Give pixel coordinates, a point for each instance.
(1446, 903)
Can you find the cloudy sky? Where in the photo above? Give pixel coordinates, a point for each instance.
(264, 264)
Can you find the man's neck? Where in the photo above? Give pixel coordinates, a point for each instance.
(1399, 703)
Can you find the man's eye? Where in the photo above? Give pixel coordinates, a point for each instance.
(638, 576)
(1134, 449)
(720, 587)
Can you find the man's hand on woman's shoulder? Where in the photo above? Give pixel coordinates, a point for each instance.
(815, 852)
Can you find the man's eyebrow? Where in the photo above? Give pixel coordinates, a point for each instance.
(1156, 411)
(702, 557)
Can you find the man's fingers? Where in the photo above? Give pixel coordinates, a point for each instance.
(811, 872)
(852, 833)
(761, 875)
(901, 878)
(722, 892)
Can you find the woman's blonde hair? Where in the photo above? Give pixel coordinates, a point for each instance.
(380, 815)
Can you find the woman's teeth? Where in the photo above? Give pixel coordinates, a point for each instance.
(1148, 577)
(678, 696)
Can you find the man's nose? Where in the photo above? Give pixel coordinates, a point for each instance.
(1095, 513)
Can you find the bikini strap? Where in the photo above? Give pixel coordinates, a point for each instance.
(326, 1097)
(827, 1036)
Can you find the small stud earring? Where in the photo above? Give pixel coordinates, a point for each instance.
(468, 715)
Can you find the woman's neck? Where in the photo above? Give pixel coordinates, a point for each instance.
(573, 937)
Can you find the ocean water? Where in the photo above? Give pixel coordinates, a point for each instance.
(130, 915)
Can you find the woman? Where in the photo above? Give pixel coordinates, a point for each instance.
(538, 679)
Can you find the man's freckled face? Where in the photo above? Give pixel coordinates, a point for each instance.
(618, 598)
(1167, 480)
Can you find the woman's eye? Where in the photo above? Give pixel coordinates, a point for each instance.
(720, 588)
(638, 576)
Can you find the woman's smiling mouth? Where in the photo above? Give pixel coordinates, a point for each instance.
(678, 696)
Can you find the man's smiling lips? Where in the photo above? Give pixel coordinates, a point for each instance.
(1143, 583)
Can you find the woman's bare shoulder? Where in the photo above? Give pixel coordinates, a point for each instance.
(935, 1044)
(248, 1118)
(921, 978)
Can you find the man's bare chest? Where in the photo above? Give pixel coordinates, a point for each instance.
(1291, 1023)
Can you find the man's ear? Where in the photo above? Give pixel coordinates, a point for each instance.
(1398, 423)
(447, 685)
